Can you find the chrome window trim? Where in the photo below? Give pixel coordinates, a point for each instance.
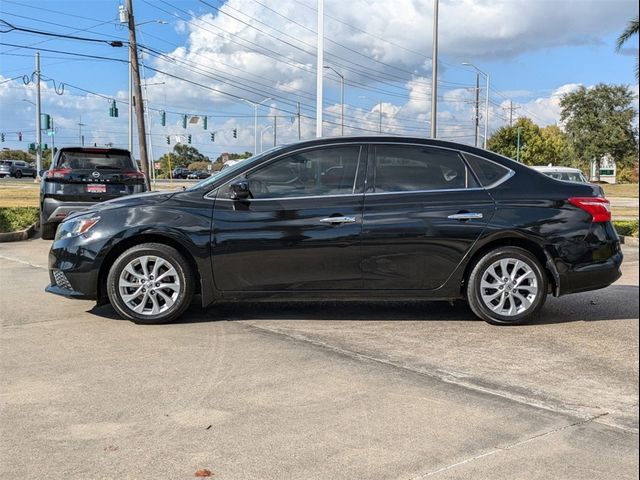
(210, 195)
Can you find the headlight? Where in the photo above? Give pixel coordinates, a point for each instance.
(76, 226)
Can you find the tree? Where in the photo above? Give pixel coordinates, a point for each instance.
(630, 31)
(16, 155)
(235, 156)
(599, 121)
(538, 146)
(181, 156)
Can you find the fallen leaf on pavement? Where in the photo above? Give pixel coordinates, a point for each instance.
(203, 472)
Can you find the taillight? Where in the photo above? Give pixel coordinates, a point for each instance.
(133, 174)
(599, 208)
(58, 172)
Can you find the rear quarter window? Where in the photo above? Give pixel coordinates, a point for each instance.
(487, 172)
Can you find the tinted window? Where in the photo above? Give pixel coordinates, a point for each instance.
(486, 171)
(327, 171)
(94, 160)
(408, 168)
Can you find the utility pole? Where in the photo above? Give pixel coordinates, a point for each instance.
(38, 115)
(380, 117)
(518, 145)
(319, 68)
(53, 141)
(142, 133)
(299, 126)
(511, 109)
(80, 136)
(275, 126)
(434, 72)
(477, 119)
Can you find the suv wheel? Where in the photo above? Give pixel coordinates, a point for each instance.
(47, 229)
(18, 174)
(150, 283)
(507, 286)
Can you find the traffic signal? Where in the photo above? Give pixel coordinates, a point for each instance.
(189, 138)
(113, 109)
(46, 121)
(19, 136)
(205, 122)
(213, 136)
(235, 133)
(163, 118)
(168, 140)
(184, 121)
(2, 136)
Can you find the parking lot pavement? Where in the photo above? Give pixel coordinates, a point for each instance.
(330, 390)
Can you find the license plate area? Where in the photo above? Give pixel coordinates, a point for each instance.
(96, 188)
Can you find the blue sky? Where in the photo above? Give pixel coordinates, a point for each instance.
(255, 48)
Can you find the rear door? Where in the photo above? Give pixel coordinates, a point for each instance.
(423, 211)
(300, 231)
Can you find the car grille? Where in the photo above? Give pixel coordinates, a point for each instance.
(61, 280)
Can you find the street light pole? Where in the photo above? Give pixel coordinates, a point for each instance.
(486, 101)
(38, 119)
(434, 72)
(341, 97)
(255, 121)
(319, 65)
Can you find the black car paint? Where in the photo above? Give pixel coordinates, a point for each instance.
(403, 245)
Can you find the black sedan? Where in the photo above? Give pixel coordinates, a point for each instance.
(345, 218)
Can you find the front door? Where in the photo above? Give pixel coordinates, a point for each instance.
(301, 228)
(423, 212)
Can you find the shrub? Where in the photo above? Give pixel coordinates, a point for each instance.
(626, 227)
(13, 219)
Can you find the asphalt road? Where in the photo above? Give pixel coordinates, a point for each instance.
(315, 391)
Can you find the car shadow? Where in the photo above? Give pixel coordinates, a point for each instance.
(617, 302)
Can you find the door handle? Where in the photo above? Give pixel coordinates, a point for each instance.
(465, 216)
(338, 220)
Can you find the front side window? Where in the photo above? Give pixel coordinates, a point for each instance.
(325, 171)
(414, 168)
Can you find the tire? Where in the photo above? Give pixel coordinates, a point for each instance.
(513, 301)
(47, 229)
(146, 294)
(18, 174)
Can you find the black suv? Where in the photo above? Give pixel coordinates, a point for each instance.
(180, 172)
(80, 177)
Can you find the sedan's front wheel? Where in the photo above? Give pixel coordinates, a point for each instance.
(507, 286)
(150, 283)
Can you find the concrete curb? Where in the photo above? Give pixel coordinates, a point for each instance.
(630, 241)
(19, 235)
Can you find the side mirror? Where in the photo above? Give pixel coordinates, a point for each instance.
(239, 189)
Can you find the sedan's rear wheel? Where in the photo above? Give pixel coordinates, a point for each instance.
(150, 283)
(507, 286)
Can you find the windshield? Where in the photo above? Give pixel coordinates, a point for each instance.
(233, 168)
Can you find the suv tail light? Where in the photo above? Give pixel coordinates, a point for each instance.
(133, 174)
(59, 172)
(599, 208)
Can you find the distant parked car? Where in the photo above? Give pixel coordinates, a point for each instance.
(199, 175)
(16, 168)
(567, 174)
(80, 177)
(180, 172)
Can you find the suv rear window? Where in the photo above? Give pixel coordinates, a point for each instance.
(95, 161)
(6, 162)
(488, 172)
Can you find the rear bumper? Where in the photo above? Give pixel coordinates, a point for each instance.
(592, 277)
(54, 211)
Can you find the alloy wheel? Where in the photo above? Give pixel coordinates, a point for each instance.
(509, 287)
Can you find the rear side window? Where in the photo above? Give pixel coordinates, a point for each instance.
(95, 161)
(413, 168)
(486, 171)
